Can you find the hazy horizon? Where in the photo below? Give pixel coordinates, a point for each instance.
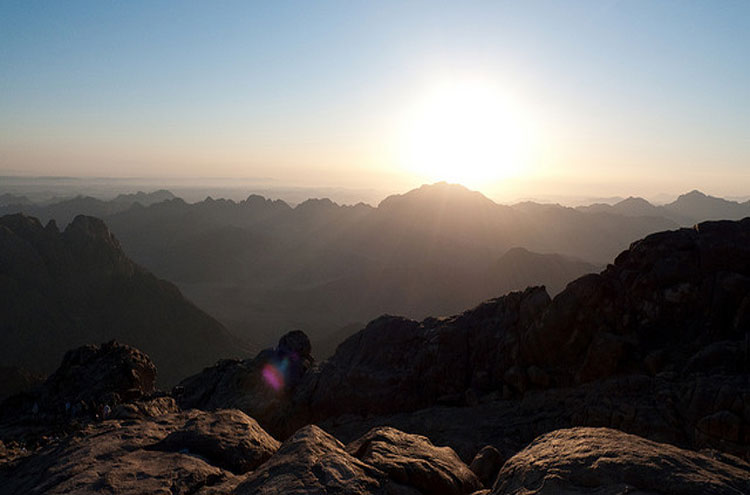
(51, 188)
(516, 100)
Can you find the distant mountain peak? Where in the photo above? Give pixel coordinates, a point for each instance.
(145, 198)
(635, 200)
(439, 192)
(695, 193)
(316, 204)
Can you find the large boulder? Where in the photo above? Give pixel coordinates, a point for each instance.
(88, 377)
(143, 456)
(227, 438)
(413, 460)
(605, 461)
(90, 373)
(312, 462)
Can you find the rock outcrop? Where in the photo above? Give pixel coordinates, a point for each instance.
(601, 460)
(672, 296)
(667, 298)
(88, 377)
(91, 373)
(396, 364)
(262, 386)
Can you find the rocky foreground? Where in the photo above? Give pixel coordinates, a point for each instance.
(635, 380)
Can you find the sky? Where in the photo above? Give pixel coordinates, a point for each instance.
(515, 99)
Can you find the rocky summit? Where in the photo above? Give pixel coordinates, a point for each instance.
(633, 380)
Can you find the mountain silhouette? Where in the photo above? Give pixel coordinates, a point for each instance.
(262, 266)
(698, 205)
(65, 210)
(64, 289)
(688, 209)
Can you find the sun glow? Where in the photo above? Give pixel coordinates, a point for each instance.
(467, 132)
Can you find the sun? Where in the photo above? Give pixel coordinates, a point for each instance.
(469, 132)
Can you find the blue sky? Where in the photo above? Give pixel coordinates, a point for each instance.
(624, 93)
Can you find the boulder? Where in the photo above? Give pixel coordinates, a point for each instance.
(117, 456)
(312, 461)
(88, 377)
(228, 439)
(602, 460)
(413, 460)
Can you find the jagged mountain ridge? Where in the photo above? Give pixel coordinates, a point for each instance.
(62, 289)
(262, 266)
(686, 210)
(266, 266)
(65, 210)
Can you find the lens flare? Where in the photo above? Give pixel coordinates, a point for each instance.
(273, 376)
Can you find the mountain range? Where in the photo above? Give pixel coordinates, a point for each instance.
(262, 266)
(63, 211)
(688, 209)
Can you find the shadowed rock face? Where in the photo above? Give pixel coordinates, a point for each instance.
(60, 290)
(14, 380)
(92, 371)
(601, 460)
(674, 304)
(486, 464)
(672, 293)
(396, 364)
(91, 375)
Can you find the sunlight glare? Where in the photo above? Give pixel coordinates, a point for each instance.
(466, 132)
